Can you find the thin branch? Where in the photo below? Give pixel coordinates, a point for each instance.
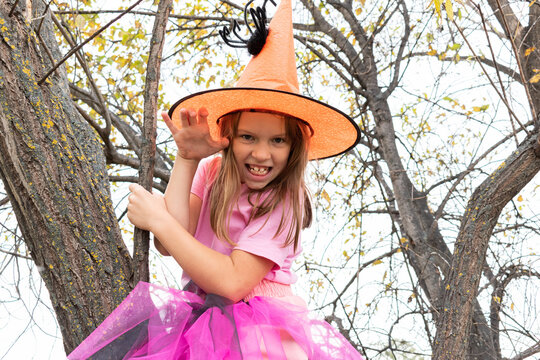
(13, 8)
(332, 64)
(505, 69)
(490, 47)
(16, 254)
(103, 132)
(462, 175)
(75, 49)
(364, 265)
(143, 13)
(489, 78)
(518, 60)
(4, 201)
(535, 349)
(399, 57)
(451, 178)
(503, 12)
(141, 238)
(135, 180)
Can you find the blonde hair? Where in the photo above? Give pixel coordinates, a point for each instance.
(289, 184)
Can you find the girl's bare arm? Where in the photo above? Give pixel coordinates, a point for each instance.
(194, 143)
(231, 276)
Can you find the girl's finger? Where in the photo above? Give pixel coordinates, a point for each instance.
(172, 128)
(192, 117)
(134, 188)
(184, 119)
(203, 116)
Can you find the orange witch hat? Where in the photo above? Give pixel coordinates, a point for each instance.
(270, 82)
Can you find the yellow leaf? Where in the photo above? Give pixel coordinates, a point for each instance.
(438, 7)
(449, 11)
(476, 108)
(325, 196)
(377, 262)
(432, 52)
(520, 198)
(529, 51)
(535, 78)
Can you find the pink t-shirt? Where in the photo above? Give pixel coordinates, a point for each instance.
(255, 237)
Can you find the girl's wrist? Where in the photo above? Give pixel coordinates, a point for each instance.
(162, 220)
(192, 162)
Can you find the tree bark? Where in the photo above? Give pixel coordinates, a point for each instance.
(52, 167)
(454, 322)
(141, 238)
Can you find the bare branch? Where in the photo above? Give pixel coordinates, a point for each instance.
(503, 68)
(506, 18)
(141, 238)
(504, 14)
(103, 132)
(75, 49)
(16, 254)
(490, 80)
(4, 201)
(360, 268)
(535, 349)
(469, 169)
(135, 180)
(399, 56)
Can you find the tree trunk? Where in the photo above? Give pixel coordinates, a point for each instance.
(52, 167)
(426, 250)
(454, 323)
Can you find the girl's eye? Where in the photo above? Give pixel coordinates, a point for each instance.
(280, 140)
(246, 137)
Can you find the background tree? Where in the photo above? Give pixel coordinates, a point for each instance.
(434, 233)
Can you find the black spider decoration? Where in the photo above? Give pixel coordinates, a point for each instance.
(258, 36)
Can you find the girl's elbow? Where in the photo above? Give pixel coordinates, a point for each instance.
(164, 252)
(237, 292)
(160, 248)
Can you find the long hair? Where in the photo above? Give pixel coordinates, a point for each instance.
(289, 184)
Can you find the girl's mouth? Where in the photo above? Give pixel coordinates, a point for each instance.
(258, 170)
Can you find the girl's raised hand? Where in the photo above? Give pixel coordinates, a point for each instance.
(193, 139)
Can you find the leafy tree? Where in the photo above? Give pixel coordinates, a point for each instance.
(431, 217)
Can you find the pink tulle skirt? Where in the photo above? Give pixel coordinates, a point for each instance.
(154, 322)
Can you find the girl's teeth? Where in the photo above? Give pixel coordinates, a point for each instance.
(258, 170)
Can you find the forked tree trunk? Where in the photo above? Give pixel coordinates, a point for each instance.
(454, 323)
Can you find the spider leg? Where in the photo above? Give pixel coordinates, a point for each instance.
(235, 29)
(259, 19)
(245, 15)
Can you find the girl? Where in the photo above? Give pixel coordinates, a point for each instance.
(232, 222)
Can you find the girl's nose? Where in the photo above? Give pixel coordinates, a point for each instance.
(261, 152)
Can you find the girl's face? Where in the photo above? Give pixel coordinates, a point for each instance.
(260, 148)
